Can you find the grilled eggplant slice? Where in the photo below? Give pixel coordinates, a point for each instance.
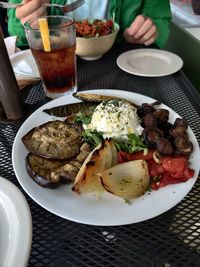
(40, 169)
(70, 109)
(92, 97)
(55, 139)
(90, 102)
(52, 173)
(70, 119)
(97, 98)
(70, 169)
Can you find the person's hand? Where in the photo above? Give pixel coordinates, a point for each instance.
(31, 10)
(141, 31)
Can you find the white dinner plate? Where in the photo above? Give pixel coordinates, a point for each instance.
(149, 62)
(107, 209)
(15, 226)
(24, 64)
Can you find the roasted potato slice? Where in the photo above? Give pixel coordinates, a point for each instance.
(114, 153)
(87, 179)
(127, 180)
(81, 184)
(55, 139)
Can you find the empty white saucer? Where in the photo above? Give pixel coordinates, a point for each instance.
(149, 62)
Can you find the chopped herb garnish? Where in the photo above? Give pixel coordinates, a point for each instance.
(127, 201)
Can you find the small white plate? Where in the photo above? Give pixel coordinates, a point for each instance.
(24, 64)
(15, 226)
(149, 62)
(108, 209)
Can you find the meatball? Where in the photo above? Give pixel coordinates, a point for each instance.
(181, 123)
(164, 146)
(149, 121)
(177, 131)
(183, 145)
(151, 135)
(144, 109)
(162, 115)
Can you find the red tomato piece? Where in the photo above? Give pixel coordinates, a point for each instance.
(175, 166)
(141, 155)
(124, 156)
(188, 173)
(154, 168)
(175, 170)
(167, 179)
(154, 186)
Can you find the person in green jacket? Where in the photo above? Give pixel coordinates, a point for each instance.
(141, 21)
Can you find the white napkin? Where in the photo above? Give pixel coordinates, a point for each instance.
(10, 43)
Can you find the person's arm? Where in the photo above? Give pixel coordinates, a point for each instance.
(141, 31)
(132, 15)
(30, 10)
(16, 17)
(160, 13)
(15, 28)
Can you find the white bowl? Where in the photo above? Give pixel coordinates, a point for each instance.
(92, 48)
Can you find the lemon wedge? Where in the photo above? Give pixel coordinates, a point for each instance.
(44, 29)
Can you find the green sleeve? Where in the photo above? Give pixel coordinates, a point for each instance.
(160, 12)
(125, 12)
(15, 28)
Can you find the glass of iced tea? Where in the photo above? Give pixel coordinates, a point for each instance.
(53, 48)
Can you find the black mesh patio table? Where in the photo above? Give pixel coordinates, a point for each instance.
(170, 239)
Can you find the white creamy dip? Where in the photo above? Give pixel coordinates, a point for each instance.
(115, 119)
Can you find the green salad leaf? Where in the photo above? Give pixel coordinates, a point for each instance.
(82, 118)
(133, 144)
(93, 138)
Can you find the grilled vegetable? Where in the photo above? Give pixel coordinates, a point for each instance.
(54, 139)
(70, 109)
(92, 97)
(84, 182)
(70, 119)
(100, 159)
(90, 101)
(114, 153)
(69, 170)
(97, 98)
(52, 173)
(127, 180)
(39, 169)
